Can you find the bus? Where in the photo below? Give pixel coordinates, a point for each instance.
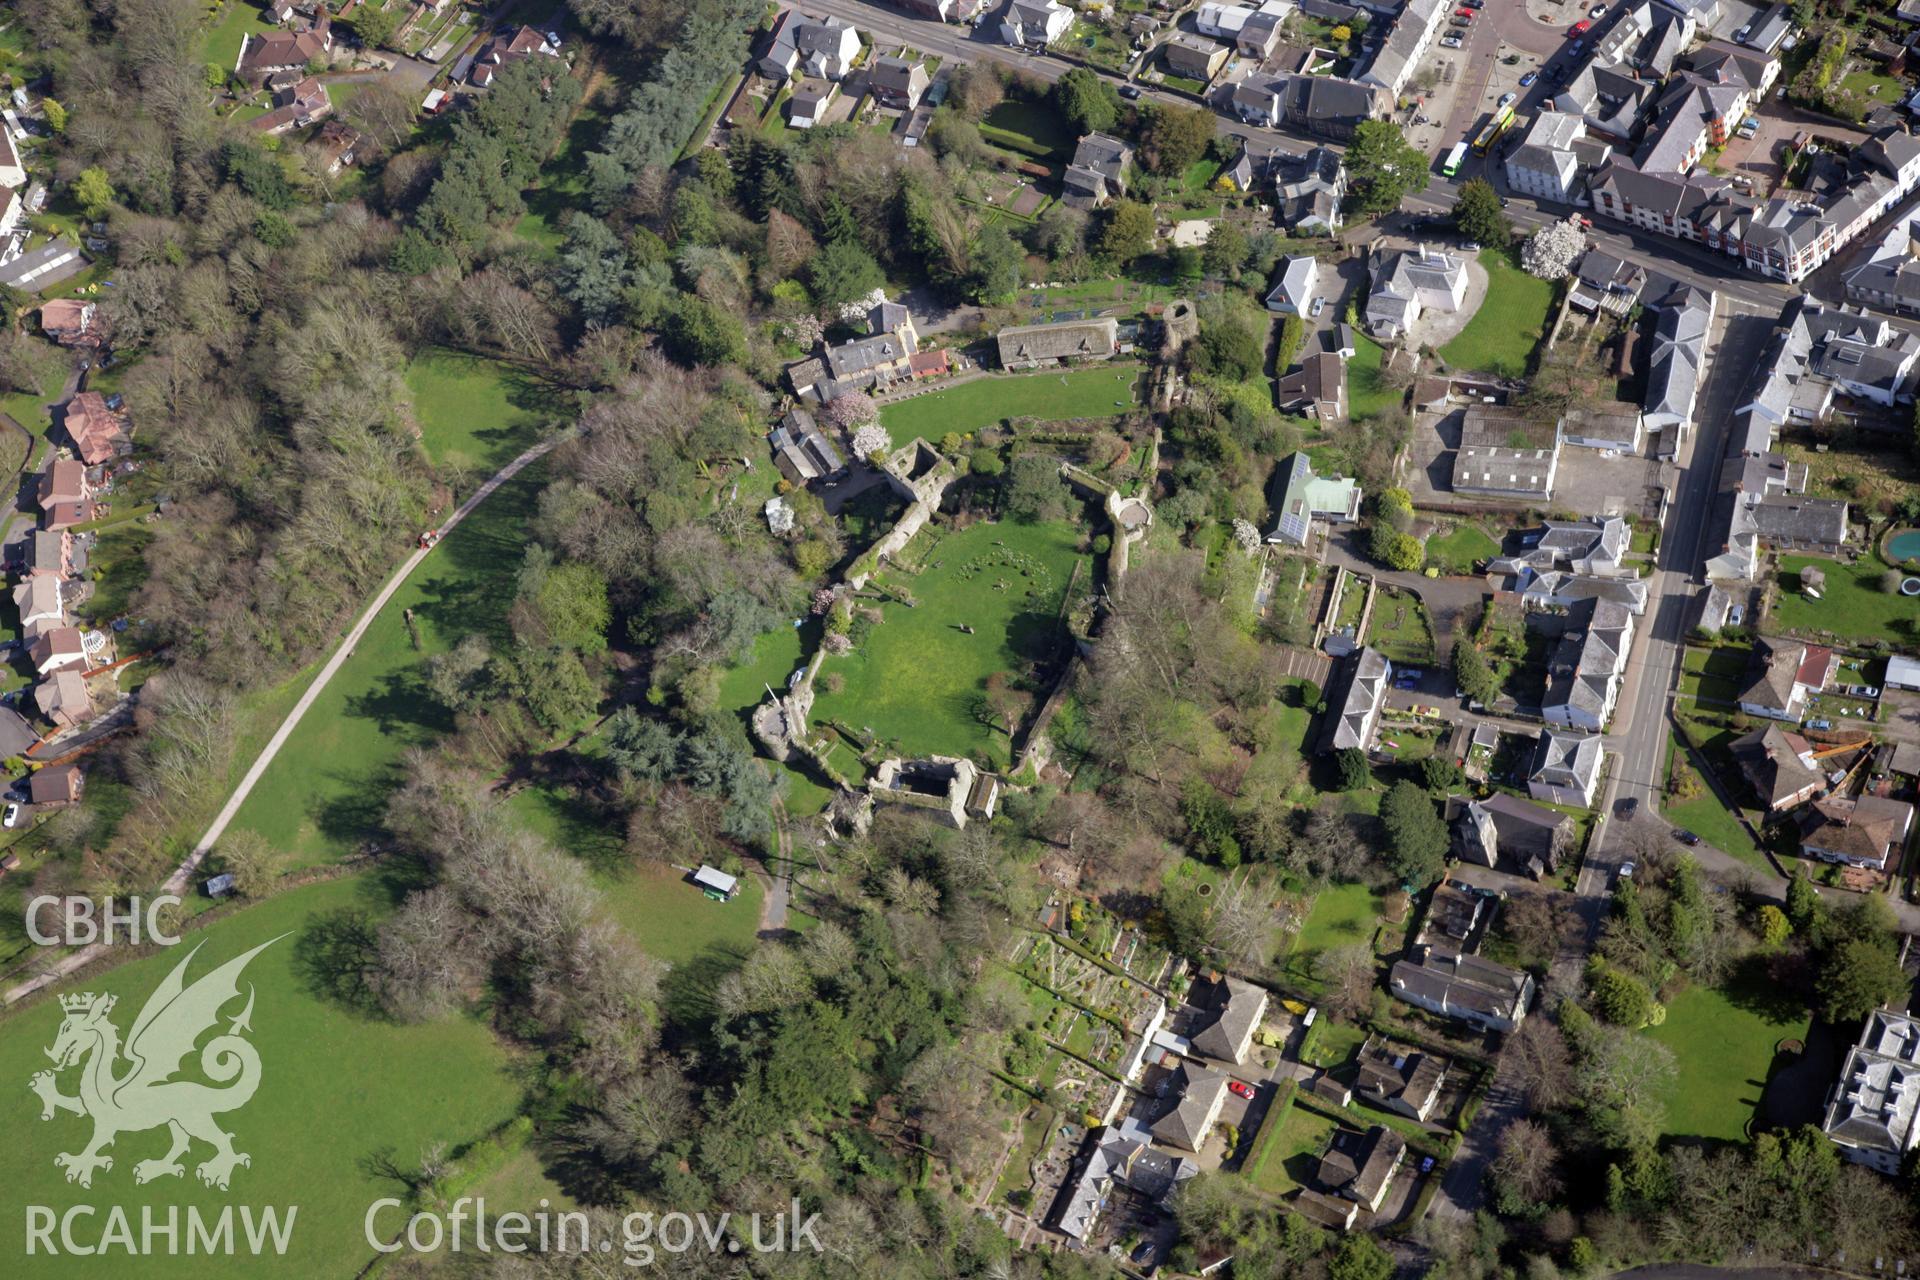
(1455, 158)
(1496, 125)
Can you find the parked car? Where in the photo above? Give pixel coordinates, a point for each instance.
(1129, 91)
(1685, 836)
(1240, 1087)
(1508, 98)
(1579, 29)
(1449, 42)
(1529, 78)
(1626, 870)
(13, 816)
(1463, 12)
(1426, 1164)
(1597, 11)
(1626, 806)
(1819, 724)
(1472, 246)
(1319, 305)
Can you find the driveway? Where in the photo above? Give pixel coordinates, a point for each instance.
(1451, 602)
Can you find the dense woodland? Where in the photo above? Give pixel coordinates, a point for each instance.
(847, 1067)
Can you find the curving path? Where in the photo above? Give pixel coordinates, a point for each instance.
(183, 874)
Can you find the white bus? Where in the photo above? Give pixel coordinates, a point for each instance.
(1455, 158)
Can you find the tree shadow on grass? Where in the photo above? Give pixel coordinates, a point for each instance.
(336, 958)
(1752, 989)
(357, 812)
(687, 992)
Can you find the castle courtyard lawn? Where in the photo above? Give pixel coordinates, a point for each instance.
(1503, 333)
(340, 1093)
(916, 678)
(1103, 391)
(1723, 1039)
(324, 793)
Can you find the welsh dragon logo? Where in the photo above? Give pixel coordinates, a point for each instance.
(144, 1095)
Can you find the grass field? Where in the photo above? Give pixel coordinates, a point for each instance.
(1712, 821)
(340, 1094)
(237, 20)
(1367, 395)
(324, 791)
(1341, 914)
(29, 408)
(1456, 550)
(1294, 1157)
(915, 679)
(1100, 392)
(1036, 124)
(1723, 1038)
(1400, 629)
(1503, 332)
(563, 179)
(475, 415)
(776, 656)
(1853, 606)
(1717, 675)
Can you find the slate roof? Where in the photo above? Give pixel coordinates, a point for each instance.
(1465, 985)
(1398, 1072)
(1201, 1091)
(1361, 686)
(1878, 1097)
(1867, 828)
(1589, 657)
(1777, 764)
(1563, 758)
(1238, 1010)
(1778, 667)
(1679, 350)
(1362, 1174)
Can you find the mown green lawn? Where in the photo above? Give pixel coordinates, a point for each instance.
(340, 1094)
(1707, 818)
(1723, 1040)
(1503, 333)
(234, 23)
(1717, 675)
(1294, 1156)
(1100, 392)
(1457, 550)
(324, 792)
(916, 678)
(1341, 914)
(50, 366)
(1853, 607)
(1367, 395)
(476, 415)
(1034, 123)
(776, 656)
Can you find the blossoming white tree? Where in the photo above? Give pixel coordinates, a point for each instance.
(1550, 252)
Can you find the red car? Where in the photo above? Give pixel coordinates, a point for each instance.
(1463, 13)
(1241, 1087)
(1579, 29)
